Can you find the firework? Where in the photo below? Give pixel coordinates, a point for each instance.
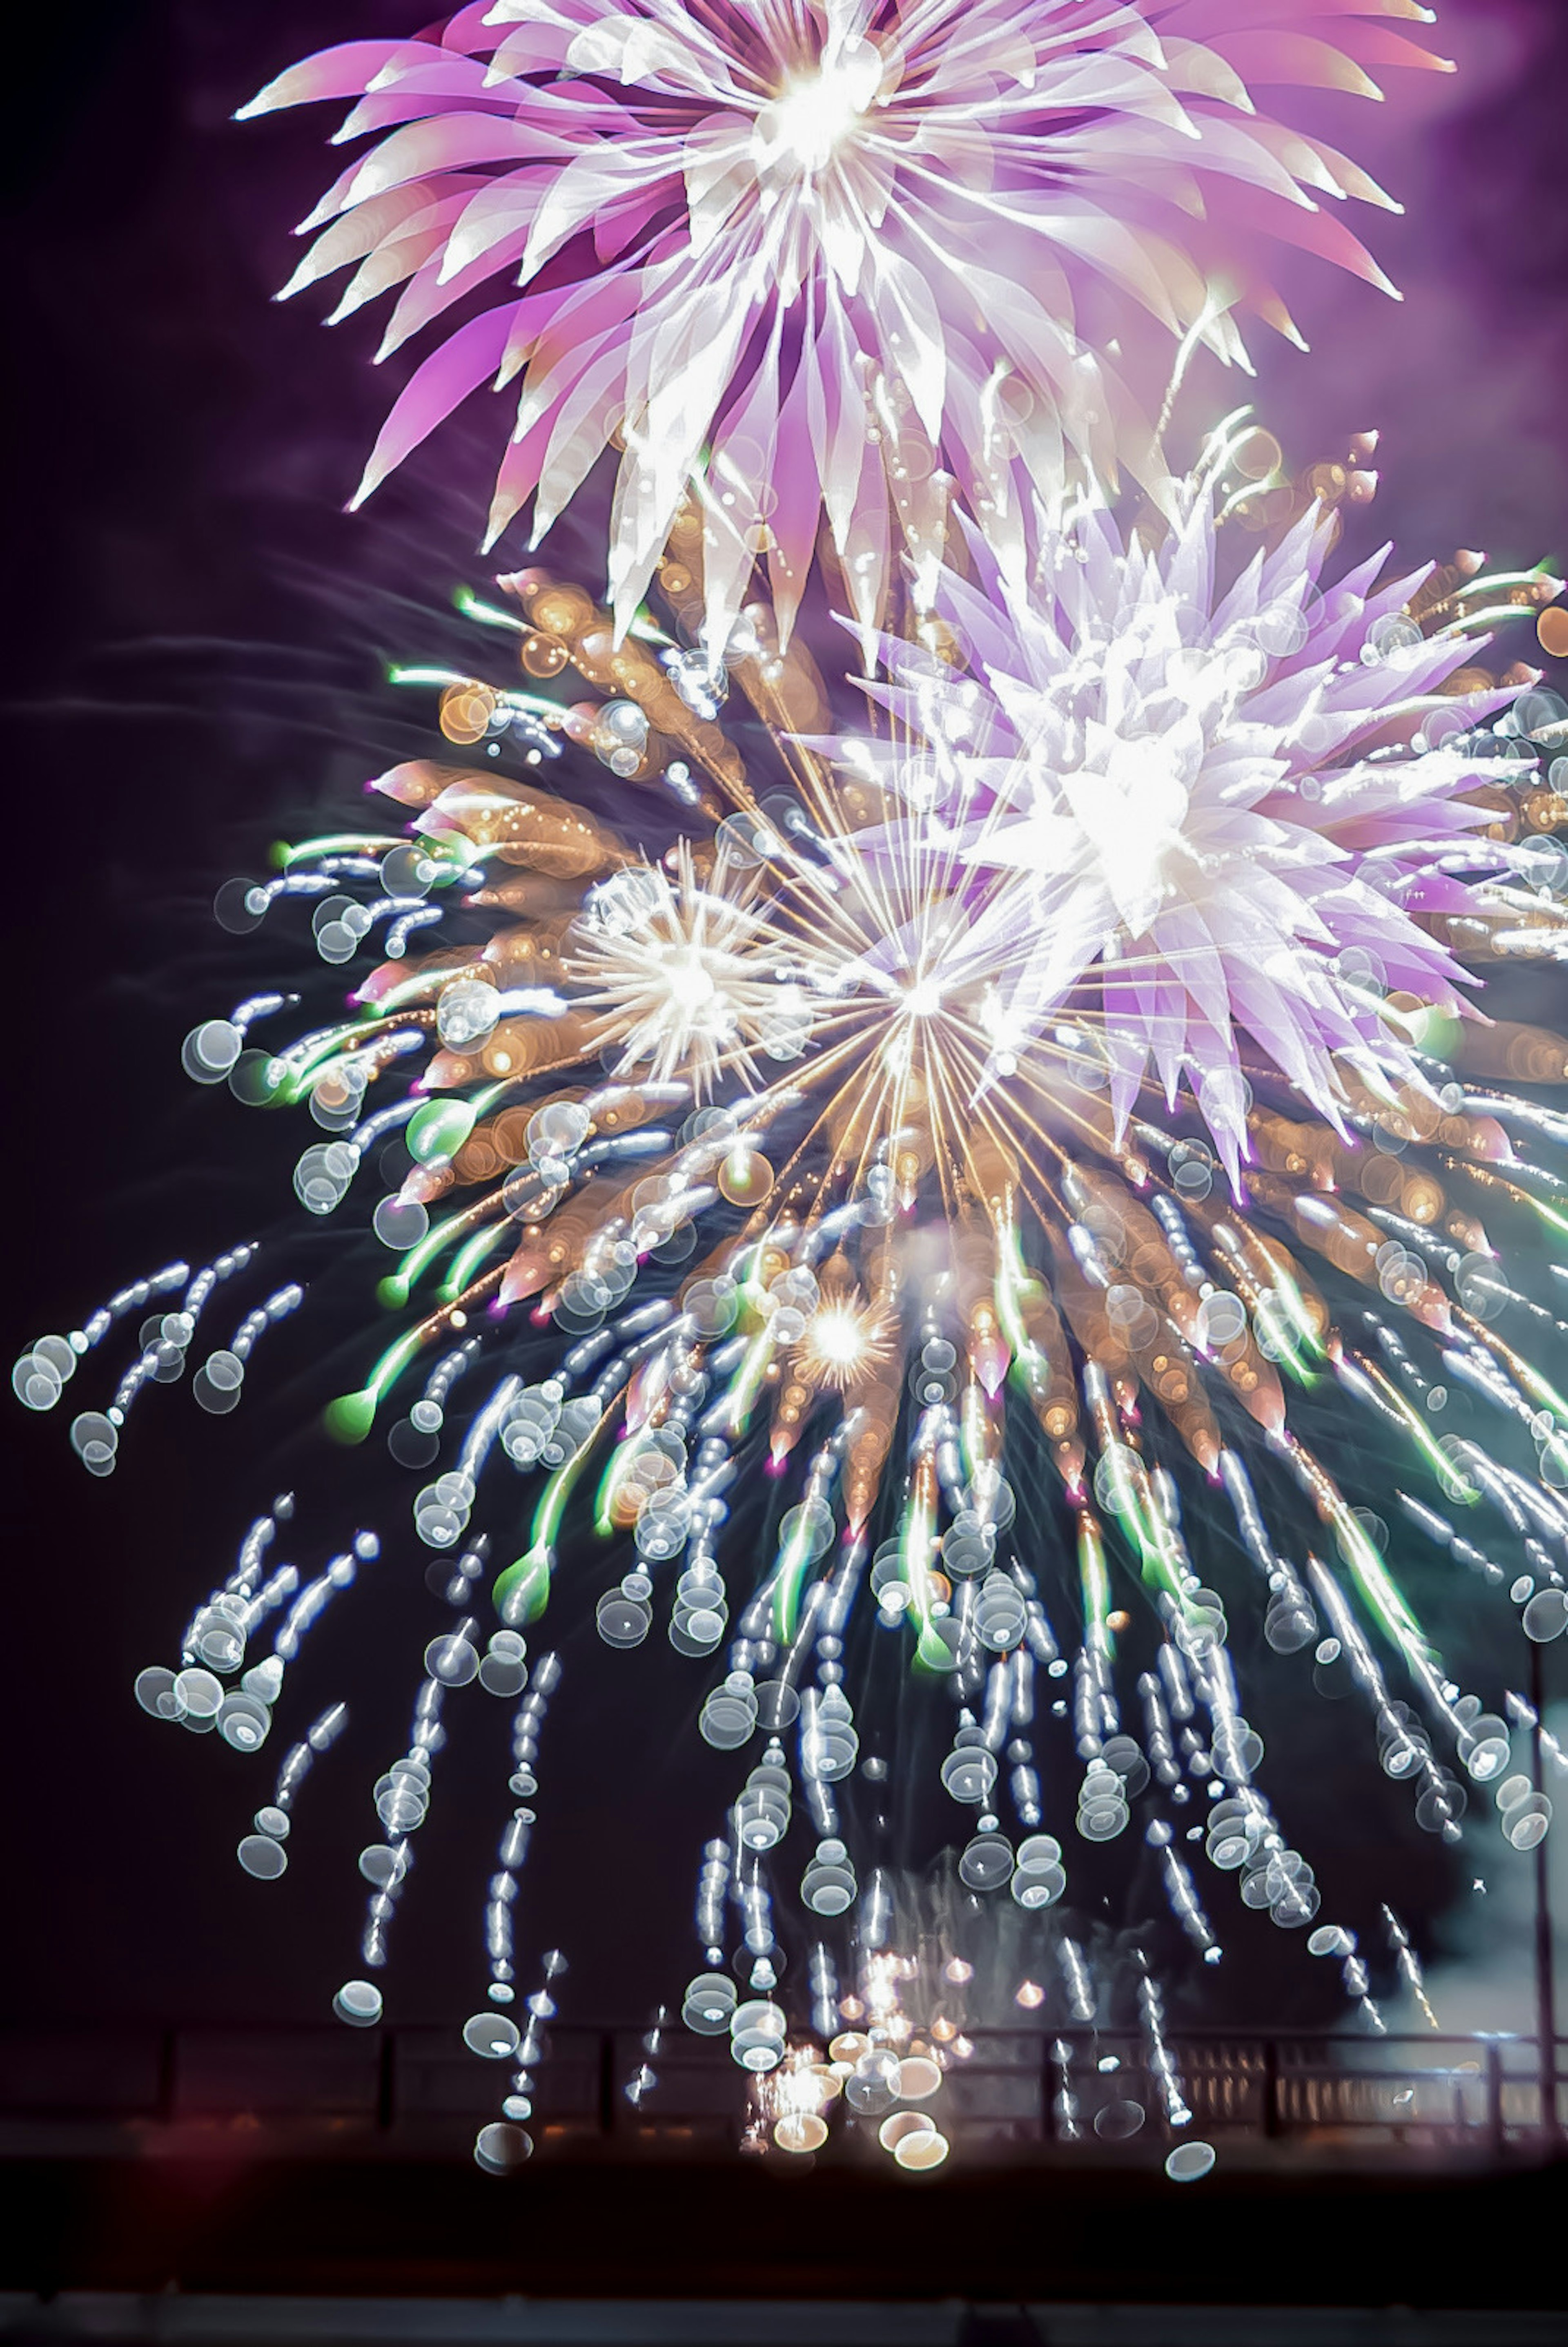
(1001, 1171)
(975, 1166)
(829, 258)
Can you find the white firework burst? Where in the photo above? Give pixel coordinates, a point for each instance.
(685, 972)
(1198, 807)
(847, 1339)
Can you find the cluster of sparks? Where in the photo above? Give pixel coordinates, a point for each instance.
(997, 1125)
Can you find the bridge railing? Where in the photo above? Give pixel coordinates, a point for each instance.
(413, 2090)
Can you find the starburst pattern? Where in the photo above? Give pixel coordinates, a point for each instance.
(1199, 806)
(811, 255)
(683, 973)
(846, 1341)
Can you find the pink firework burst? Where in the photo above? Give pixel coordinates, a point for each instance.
(809, 256)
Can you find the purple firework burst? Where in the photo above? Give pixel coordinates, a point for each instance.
(1214, 810)
(824, 255)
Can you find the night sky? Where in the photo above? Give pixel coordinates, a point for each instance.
(198, 636)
